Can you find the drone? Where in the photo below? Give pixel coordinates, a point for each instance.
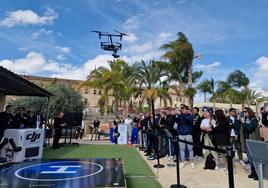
(110, 45)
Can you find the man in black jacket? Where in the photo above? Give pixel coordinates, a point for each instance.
(149, 137)
(6, 120)
(95, 131)
(235, 126)
(20, 119)
(197, 149)
(58, 125)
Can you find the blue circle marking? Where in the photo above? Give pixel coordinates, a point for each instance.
(59, 171)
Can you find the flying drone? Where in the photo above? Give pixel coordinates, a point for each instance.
(110, 45)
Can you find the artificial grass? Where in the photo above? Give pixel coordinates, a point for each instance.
(136, 169)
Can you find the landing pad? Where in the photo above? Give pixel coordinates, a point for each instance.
(67, 173)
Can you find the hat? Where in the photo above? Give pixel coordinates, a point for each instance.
(208, 109)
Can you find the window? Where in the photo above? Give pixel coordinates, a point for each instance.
(95, 92)
(85, 101)
(86, 91)
(99, 92)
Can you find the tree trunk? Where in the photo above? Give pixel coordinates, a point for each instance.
(116, 105)
(214, 104)
(106, 106)
(247, 94)
(205, 97)
(190, 83)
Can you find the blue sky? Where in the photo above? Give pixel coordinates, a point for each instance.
(53, 38)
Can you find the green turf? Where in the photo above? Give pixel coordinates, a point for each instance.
(135, 166)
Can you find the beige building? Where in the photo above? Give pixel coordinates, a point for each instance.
(91, 96)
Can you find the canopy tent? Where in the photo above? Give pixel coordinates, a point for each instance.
(13, 84)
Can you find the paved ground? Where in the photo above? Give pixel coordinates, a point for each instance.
(200, 178)
(194, 178)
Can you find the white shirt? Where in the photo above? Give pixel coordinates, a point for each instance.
(205, 123)
(83, 124)
(232, 131)
(128, 121)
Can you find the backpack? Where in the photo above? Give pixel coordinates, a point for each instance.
(210, 162)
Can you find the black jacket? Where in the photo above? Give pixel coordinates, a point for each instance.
(221, 134)
(57, 123)
(196, 124)
(6, 121)
(264, 119)
(147, 124)
(236, 125)
(96, 123)
(19, 120)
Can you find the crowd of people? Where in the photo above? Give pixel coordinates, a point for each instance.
(22, 119)
(206, 126)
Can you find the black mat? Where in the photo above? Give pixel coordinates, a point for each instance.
(67, 173)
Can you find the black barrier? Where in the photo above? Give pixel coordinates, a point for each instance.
(156, 148)
(229, 153)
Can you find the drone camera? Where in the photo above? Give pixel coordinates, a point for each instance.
(115, 55)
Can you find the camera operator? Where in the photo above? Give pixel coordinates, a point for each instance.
(20, 119)
(6, 120)
(58, 125)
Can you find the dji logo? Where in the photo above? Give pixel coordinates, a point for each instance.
(61, 170)
(33, 137)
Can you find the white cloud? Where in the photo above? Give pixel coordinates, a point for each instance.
(64, 50)
(81, 73)
(35, 63)
(207, 67)
(130, 38)
(145, 57)
(28, 17)
(42, 31)
(164, 36)
(132, 23)
(32, 63)
(260, 72)
(141, 48)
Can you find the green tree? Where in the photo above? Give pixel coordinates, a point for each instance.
(64, 99)
(238, 79)
(113, 81)
(147, 77)
(206, 87)
(180, 53)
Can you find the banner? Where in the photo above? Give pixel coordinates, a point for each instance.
(122, 129)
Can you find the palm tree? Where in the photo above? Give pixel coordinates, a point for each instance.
(226, 92)
(206, 87)
(180, 53)
(112, 80)
(238, 79)
(147, 77)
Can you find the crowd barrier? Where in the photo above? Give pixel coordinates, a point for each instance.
(229, 152)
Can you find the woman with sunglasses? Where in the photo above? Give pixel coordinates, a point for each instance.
(250, 123)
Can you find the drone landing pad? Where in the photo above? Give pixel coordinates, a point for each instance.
(68, 173)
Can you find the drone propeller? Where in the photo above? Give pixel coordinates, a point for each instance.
(121, 34)
(99, 33)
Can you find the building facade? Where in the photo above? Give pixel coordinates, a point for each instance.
(91, 96)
